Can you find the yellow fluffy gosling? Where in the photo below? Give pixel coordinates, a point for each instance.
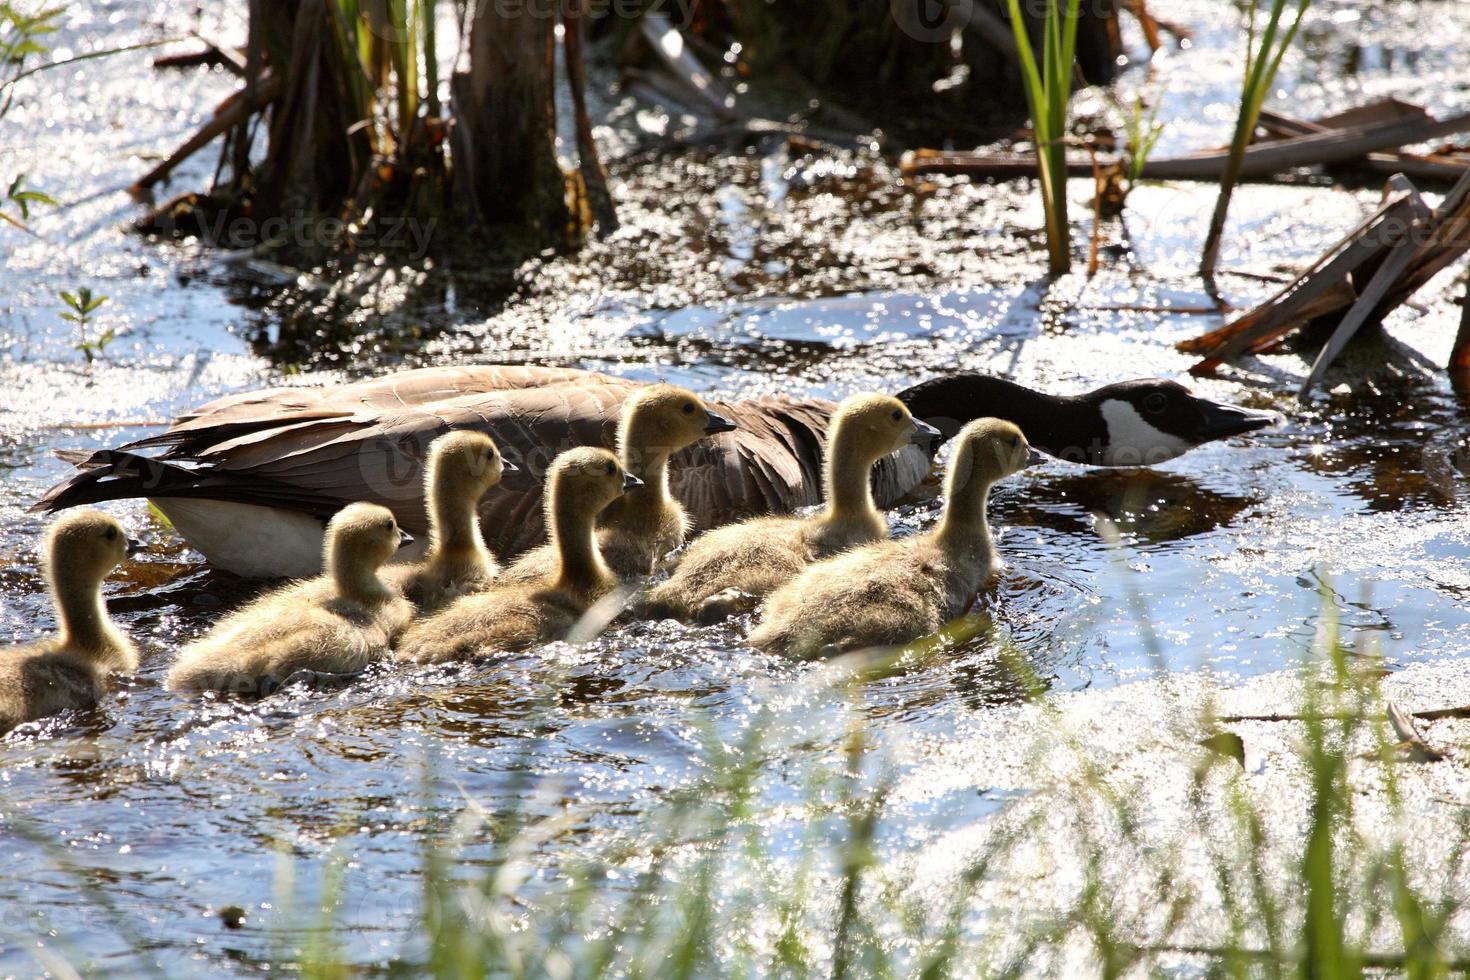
(638, 529)
(69, 670)
(892, 592)
(730, 568)
(580, 484)
(337, 623)
(462, 467)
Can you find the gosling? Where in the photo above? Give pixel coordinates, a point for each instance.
(336, 623)
(514, 617)
(892, 592)
(642, 526)
(462, 467)
(731, 568)
(69, 670)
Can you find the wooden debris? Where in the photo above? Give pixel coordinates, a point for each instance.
(1355, 137)
(231, 113)
(1460, 354)
(693, 79)
(211, 54)
(1403, 726)
(594, 177)
(1366, 275)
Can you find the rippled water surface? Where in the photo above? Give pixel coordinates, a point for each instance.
(777, 277)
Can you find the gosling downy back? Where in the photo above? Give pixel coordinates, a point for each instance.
(892, 592)
(730, 568)
(514, 617)
(337, 623)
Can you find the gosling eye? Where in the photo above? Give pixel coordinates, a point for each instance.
(608, 469)
(688, 408)
(1155, 404)
(490, 453)
(898, 415)
(1015, 442)
(112, 534)
(388, 525)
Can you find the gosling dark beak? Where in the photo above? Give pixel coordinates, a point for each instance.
(404, 538)
(1034, 458)
(506, 466)
(1224, 421)
(134, 547)
(924, 433)
(715, 424)
(631, 482)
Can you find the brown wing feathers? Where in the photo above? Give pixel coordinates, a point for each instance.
(314, 449)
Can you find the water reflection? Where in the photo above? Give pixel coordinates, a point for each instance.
(1151, 506)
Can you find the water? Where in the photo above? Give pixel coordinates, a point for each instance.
(781, 274)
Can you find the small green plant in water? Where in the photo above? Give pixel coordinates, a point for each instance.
(18, 195)
(1141, 131)
(82, 304)
(20, 37)
(1262, 60)
(1048, 91)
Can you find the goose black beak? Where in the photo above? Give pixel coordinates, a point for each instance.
(631, 482)
(134, 547)
(924, 433)
(1224, 421)
(715, 424)
(404, 538)
(506, 466)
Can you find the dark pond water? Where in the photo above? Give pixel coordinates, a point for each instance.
(770, 274)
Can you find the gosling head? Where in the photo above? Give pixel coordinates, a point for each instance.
(870, 426)
(464, 464)
(85, 545)
(990, 450)
(588, 480)
(363, 537)
(662, 419)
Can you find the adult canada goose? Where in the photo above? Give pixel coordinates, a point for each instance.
(639, 528)
(69, 670)
(336, 624)
(462, 467)
(892, 592)
(250, 479)
(728, 569)
(513, 617)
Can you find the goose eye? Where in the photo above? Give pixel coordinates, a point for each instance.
(898, 415)
(1155, 404)
(688, 408)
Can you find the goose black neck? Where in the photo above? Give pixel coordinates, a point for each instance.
(1054, 424)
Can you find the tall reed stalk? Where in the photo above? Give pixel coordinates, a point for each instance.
(1261, 63)
(1048, 91)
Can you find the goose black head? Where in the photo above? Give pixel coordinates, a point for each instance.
(1131, 423)
(1152, 420)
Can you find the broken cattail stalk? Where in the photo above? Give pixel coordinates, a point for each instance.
(231, 113)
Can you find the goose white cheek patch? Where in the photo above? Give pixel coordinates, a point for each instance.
(1133, 441)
